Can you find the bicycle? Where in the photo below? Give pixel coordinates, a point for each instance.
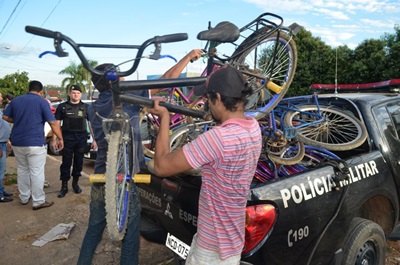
(314, 156)
(320, 125)
(267, 57)
(150, 123)
(119, 174)
(120, 160)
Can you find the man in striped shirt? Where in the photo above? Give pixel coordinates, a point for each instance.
(227, 156)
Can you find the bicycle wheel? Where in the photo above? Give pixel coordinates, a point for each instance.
(337, 132)
(291, 154)
(272, 57)
(118, 181)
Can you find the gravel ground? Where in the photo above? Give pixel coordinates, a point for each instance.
(20, 226)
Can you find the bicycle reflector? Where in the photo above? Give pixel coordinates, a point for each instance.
(111, 75)
(259, 222)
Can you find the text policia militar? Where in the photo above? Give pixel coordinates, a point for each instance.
(320, 185)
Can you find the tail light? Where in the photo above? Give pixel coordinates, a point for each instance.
(259, 222)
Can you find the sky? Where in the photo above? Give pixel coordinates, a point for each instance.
(339, 22)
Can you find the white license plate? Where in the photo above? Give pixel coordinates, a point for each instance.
(177, 246)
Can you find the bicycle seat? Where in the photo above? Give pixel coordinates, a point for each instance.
(223, 32)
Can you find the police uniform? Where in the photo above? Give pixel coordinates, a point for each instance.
(75, 133)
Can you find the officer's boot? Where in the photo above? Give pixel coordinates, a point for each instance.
(75, 185)
(64, 189)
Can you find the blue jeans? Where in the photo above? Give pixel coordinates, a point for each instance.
(3, 159)
(97, 224)
(97, 218)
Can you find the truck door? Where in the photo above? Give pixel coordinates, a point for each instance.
(388, 117)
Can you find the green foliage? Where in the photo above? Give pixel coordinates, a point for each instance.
(371, 61)
(14, 84)
(77, 75)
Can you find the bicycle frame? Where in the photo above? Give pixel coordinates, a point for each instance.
(291, 104)
(177, 118)
(253, 26)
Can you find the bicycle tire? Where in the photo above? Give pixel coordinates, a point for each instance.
(263, 100)
(290, 156)
(339, 132)
(117, 186)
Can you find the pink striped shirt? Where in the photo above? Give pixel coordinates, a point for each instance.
(227, 156)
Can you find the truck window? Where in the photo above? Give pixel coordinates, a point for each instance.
(388, 117)
(394, 112)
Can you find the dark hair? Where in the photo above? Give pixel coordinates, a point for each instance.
(231, 103)
(35, 86)
(99, 81)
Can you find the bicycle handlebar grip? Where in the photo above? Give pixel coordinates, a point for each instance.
(41, 32)
(171, 38)
(171, 107)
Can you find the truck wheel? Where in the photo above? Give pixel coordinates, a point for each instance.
(365, 244)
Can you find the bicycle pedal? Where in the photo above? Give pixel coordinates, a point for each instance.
(138, 178)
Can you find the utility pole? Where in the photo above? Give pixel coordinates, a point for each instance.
(336, 73)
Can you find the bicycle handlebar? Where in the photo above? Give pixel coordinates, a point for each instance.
(171, 107)
(43, 32)
(59, 38)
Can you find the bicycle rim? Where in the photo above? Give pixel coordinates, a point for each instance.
(118, 181)
(293, 154)
(256, 55)
(337, 132)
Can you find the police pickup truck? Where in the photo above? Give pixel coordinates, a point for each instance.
(325, 215)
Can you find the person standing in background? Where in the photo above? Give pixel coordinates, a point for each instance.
(74, 117)
(29, 112)
(5, 130)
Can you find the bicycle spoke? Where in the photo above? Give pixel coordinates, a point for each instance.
(262, 53)
(326, 127)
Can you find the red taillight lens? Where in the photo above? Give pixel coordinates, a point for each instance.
(259, 221)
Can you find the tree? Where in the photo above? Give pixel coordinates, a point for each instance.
(14, 84)
(393, 54)
(78, 75)
(369, 60)
(372, 61)
(315, 63)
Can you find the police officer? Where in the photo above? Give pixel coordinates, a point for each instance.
(73, 117)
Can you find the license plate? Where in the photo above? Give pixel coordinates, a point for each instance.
(177, 246)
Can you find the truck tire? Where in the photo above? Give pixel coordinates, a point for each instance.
(365, 244)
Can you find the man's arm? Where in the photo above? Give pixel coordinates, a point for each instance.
(166, 163)
(177, 69)
(55, 127)
(94, 144)
(8, 119)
